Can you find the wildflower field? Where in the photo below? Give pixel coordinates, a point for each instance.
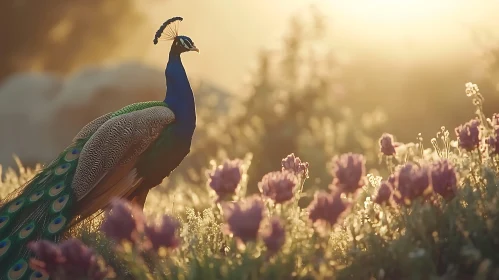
(433, 217)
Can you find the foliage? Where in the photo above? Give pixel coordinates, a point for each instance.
(445, 226)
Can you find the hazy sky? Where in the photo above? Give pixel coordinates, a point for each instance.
(229, 33)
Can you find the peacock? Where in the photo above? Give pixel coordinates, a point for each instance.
(120, 154)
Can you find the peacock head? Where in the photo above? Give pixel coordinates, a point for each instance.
(169, 31)
(183, 44)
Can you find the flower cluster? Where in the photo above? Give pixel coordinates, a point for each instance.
(350, 172)
(275, 236)
(126, 222)
(386, 145)
(163, 235)
(69, 259)
(412, 181)
(294, 164)
(327, 208)
(225, 178)
(444, 179)
(468, 135)
(244, 218)
(278, 186)
(123, 222)
(385, 191)
(471, 89)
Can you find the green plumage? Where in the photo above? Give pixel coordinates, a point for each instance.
(40, 211)
(138, 106)
(44, 207)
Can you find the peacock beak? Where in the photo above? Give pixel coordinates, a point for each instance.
(194, 49)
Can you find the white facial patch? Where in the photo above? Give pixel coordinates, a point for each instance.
(183, 43)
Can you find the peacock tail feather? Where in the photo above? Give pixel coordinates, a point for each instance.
(48, 205)
(40, 210)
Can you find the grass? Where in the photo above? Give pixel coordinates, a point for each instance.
(428, 238)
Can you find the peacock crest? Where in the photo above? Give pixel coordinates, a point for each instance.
(172, 31)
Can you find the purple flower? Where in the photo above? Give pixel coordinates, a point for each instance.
(386, 144)
(468, 135)
(81, 260)
(411, 182)
(244, 218)
(123, 221)
(493, 142)
(294, 164)
(49, 256)
(327, 208)
(384, 192)
(444, 179)
(275, 236)
(278, 186)
(225, 178)
(349, 171)
(164, 234)
(70, 259)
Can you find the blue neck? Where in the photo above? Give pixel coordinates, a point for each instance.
(179, 95)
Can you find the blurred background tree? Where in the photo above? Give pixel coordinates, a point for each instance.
(37, 34)
(294, 104)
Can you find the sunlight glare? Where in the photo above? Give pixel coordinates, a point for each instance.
(386, 13)
(404, 29)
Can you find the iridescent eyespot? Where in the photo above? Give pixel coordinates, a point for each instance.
(57, 189)
(18, 270)
(3, 221)
(72, 154)
(60, 203)
(57, 224)
(61, 169)
(36, 196)
(38, 276)
(14, 207)
(4, 247)
(27, 230)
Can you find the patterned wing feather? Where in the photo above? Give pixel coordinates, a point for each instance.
(107, 164)
(92, 127)
(123, 179)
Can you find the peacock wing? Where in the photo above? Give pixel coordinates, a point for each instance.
(92, 127)
(107, 161)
